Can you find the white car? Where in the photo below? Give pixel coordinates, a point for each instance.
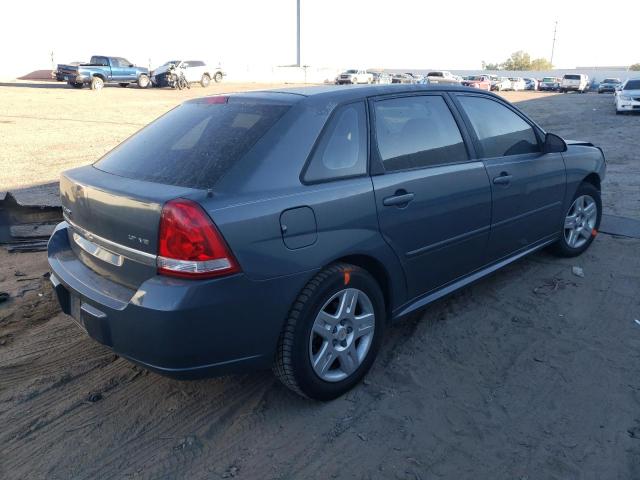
(354, 76)
(443, 77)
(500, 83)
(195, 71)
(517, 83)
(578, 82)
(628, 97)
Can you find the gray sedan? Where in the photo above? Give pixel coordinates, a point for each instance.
(288, 229)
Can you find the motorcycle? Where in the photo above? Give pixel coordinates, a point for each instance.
(176, 78)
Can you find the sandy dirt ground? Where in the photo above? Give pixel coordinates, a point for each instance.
(531, 373)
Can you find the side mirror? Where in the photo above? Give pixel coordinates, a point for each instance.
(554, 144)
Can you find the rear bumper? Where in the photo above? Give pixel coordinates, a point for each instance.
(180, 328)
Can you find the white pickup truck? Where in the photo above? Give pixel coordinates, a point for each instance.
(354, 76)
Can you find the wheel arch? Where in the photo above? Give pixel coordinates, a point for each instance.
(594, 179)
(101, 76)
(378, 271)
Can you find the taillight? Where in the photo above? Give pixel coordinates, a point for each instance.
(190, 245)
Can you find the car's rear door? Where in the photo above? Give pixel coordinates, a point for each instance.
(527, 184)
(433, 199)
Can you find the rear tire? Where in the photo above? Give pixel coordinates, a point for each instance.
(205, 80)
(217, 77)
(97, 83)
(341, 342)
(587, 196)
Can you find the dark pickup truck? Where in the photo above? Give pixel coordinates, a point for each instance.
(101, 70)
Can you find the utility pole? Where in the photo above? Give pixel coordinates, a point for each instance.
(553, 45)
(298, 33)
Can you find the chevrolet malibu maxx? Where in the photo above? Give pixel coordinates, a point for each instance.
(288, 229)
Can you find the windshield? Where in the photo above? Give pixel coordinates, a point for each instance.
(194, 144)
(632, 85)
(475, 77)
(435, 74)
(351, 71)
(175, 62)
(548, 80)
(611, 80)
(572, 77)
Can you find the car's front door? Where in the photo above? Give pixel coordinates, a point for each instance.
(433, 200)
(528, 185)
(121, 70)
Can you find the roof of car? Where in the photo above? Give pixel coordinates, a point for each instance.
(362, 91)
(343, 93)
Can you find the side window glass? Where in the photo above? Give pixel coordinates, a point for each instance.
(500, 131)
(342, 149)
(419, 131)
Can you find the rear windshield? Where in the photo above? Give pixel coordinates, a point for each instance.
(549, 80)
(632, 85)
(572, 77)
(435, 74)
(195, 144)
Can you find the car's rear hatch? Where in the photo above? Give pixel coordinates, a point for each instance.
(114, 207)
(114, 222)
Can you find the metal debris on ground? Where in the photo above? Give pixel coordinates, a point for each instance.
(28, 216)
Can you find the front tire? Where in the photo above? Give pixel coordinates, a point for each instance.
(333, 333)
(580, 223)
(205, 80)
(217, 77)
(143, 81)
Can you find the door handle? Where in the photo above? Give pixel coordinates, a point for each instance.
(503, 179)
(400, 199)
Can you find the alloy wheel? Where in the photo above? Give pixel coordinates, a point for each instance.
(342, 334)
(580, 221)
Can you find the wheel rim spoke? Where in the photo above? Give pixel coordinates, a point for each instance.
(570, 221)
(364, 324)
(324, 359)
(349, 360)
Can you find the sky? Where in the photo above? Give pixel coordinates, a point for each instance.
(243, 34)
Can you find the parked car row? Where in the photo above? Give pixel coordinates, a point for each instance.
(569, 82)
(103, 70)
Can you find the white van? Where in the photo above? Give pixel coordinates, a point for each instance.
(578, 82)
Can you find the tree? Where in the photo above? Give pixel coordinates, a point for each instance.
(635, 67)
(490, 66)
(540, 64)
(518, 61)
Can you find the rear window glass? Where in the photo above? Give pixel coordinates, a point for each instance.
(195, 144)
(632, 85)
(572, 77)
